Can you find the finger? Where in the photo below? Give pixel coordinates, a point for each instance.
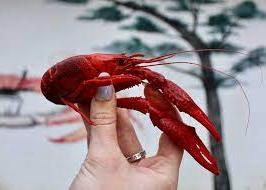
(103, 137)
(135, 120)
(127, 138)
(170, 151)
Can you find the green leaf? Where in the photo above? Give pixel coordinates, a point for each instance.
(107, 13)
(144, 24)
(246, 10)
(219, 19)
(221, 22)
(133, 45)
(255, 58)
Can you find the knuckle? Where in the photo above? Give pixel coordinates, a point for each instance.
(103, 118)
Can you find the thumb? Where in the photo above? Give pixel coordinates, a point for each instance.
(103, 136)
(170, 151)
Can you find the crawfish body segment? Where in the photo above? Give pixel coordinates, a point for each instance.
(75, 80)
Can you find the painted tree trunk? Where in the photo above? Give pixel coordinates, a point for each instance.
(222, 181)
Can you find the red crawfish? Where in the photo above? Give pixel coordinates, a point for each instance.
(75, 80)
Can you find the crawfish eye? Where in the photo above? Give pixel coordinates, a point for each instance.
(120, 62)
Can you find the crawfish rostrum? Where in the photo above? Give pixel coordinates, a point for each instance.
(75, 80)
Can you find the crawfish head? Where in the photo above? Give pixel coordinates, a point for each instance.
(66, 76)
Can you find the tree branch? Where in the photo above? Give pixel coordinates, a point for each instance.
(194, 9)
(177, 25)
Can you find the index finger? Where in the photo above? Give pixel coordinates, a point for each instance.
(127, 138)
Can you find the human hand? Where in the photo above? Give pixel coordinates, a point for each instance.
(111, 139)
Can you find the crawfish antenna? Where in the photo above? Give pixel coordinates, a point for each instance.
(170, 55)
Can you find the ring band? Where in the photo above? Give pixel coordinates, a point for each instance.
(136, 157)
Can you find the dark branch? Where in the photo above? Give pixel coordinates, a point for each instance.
(180, 27)
(194, 9)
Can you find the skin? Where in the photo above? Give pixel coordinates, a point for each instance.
(112, 139)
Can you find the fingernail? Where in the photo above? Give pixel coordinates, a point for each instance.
(104, 93)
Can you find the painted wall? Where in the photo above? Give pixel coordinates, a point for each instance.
(36, 33)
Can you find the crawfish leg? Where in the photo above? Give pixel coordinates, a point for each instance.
(186, 137)
(74, 107)
(134, 103)
(120, 82)
(153, 103)
(177, 96)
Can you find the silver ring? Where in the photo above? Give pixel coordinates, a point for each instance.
(136, 157)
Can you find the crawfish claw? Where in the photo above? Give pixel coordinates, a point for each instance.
(186, 137)
(184, 103)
